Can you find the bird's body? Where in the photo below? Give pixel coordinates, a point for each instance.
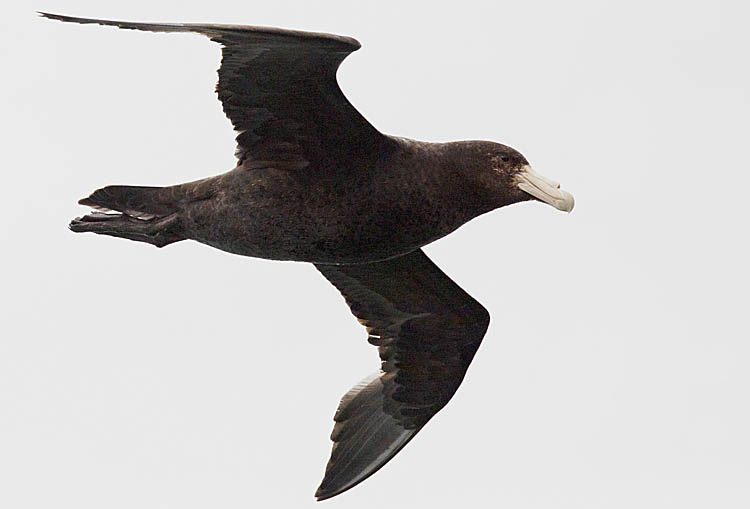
(412, 196)
(315, 182)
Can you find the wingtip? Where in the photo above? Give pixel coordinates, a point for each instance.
(60, 17)
(325, 492)
(49, 15)
(320, 495)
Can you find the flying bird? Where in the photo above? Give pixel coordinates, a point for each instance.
(315, 182)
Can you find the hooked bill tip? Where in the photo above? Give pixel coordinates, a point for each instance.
(544, 189)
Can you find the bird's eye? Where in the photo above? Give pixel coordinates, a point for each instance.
(504, 158)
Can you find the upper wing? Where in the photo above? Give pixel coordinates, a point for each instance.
(279, 89)
(427, 330)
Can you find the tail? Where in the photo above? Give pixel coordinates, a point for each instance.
(143, 214)
(134, 201)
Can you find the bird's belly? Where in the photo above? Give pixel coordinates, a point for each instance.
(310, 228)
(352, 239)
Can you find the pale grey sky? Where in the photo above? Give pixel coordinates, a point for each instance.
(615, 370)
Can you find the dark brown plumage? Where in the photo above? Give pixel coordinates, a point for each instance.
(427, 330)
(315, 182)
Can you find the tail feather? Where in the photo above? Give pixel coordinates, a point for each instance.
(135, 201)
(146, 214)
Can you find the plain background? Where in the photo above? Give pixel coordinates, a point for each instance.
(614, 373)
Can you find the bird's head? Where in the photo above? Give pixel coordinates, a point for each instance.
(511, 177)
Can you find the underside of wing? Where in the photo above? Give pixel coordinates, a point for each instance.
(278, 87)
(365, 437)
(427, 331)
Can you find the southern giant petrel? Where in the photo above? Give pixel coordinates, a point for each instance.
(315, 182)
